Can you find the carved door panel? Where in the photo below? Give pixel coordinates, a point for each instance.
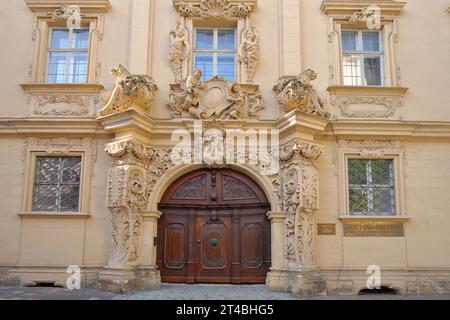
(213, 240)
(214, 229)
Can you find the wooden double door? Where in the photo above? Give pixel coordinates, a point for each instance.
(214, 229)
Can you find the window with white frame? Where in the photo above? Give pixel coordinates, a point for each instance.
(67, 59)
(371, 185)
(215, 53)
(56, 184)
(362, 58)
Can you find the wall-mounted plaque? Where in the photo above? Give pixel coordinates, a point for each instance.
(326, 229)
(374, 229)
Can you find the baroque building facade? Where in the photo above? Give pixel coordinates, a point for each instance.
(114, 112)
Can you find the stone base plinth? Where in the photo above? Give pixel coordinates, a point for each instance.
(122, 281)
(304, 283)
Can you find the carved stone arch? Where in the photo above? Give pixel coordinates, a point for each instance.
(173, 174)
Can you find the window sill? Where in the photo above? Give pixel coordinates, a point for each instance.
(368, 90)
(43, 214)
(398, 218)
(46, 88)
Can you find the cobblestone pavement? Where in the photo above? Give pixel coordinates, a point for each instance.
(182, 292)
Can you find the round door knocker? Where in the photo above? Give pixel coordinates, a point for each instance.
(214, 242)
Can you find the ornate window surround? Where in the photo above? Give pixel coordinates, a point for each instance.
(352, 101)
(86, 148)
(371, 149)
(75, 101)
(219, 13)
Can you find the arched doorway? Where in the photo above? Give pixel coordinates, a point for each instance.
(214, 229)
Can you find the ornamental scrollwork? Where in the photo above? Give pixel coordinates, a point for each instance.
(65, 12)
(213, 9)
(130, 92)
(297, 93)
(389, 106)
(300, 198)
(135, 169)
(214, 99)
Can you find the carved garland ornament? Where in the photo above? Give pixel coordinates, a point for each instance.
(213, 9)
(391, 104)
(134, 171)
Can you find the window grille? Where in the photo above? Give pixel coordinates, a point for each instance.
(57, 184)
(371, 187)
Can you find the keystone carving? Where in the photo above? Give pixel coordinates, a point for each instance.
(298, 93)
(130, 92)
(214, 99)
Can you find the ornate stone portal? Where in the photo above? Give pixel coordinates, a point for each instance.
(136, 167)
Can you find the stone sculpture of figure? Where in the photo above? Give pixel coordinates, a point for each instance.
(186, 98)
(128, 90)
(237, 99)
(298, 93)
(249, 52)
(179, 50)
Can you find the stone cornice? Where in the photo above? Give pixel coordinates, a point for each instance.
(86, 6)
(52, 126)
(389, 128)
(161, 129)
(346, 7)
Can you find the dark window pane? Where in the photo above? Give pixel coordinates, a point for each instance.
(357, 172)
(372, 71)
(371, 187)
